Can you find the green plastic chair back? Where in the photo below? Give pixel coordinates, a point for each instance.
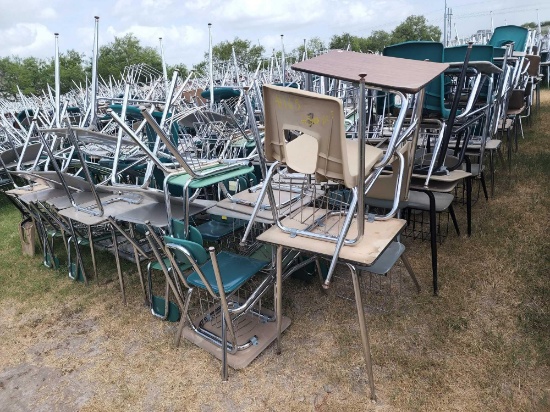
(221, 93)
(196, 250)
(479, 52)
(424, 50)
(178, 230)
(504, 35)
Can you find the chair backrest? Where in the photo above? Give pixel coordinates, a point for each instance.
(179, 229)
(534, 65)
(322, 147)
(424, 50)
(195, 250)
(504, 35)
(384, 187)
(479, 52)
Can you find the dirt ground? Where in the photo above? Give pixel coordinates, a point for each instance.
(482, 344)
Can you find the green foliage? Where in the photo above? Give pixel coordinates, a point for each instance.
(71, 70)
(125, 51)
(415, 28)
(246, 53)
(181, 68)
(32, 75)
(314, 46)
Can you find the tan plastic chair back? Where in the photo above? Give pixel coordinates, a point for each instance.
(319, 118)
(384, 187)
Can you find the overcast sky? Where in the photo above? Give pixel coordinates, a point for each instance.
(27, 27)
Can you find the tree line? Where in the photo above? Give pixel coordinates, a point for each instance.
(32, 75)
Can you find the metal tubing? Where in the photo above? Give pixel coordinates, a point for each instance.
(364, 330)
(57, 82)
(95, 56)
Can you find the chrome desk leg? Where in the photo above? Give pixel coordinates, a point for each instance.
(92, 253)
(363, 329)
(279, 296)
(138, 264)
(118, 268)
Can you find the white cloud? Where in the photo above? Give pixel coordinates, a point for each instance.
(178, 41)
(27, 39)
(252, 13)
(25, 11)
(47, 13)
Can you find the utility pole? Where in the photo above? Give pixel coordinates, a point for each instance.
(445, 26)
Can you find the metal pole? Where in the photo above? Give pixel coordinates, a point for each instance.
(283, 62)
(210, 66)
(164, 70)
(445, 26)
(95, 55)
(57, 83)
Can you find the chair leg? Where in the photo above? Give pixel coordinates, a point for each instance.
(224, 347)
(183, 319)
(364, 330)
(453, 218)
(118, 267)
(484, 185)
(492, 170)
(411, 272)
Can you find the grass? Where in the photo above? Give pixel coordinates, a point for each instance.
(482, 344)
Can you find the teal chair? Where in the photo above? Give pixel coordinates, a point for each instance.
(434, 102)
(220, 276)
(504, 35)
(479, 52)
(162, 307)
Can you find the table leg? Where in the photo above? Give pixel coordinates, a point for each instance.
(118, 268)
(138, 264)
(469, 204)
(492, 167)
(363, 329)
(92, 253)
(79, 260)
(279, 296)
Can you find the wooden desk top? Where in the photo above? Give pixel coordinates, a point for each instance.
(405, 75)
(453, 176)
(378, 235)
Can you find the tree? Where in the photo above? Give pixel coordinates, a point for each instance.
(247, 55)
(378, 40)
(126, 51)
(415, 28)
(71, 69)
(181, 68)
(314, 46)
(9, 77)
(356, 43)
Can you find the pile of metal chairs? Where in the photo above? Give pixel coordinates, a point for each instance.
(218, 194)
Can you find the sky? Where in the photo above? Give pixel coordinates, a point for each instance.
(27, 27)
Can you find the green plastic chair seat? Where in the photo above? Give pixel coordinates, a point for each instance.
(181, 180)
(235, 271)
(221, 93)
(183, 266)
(214, 230)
